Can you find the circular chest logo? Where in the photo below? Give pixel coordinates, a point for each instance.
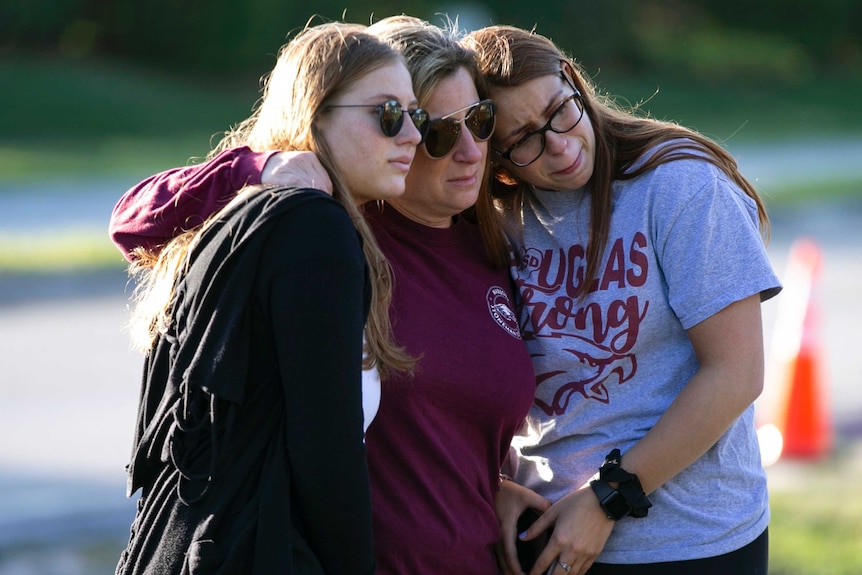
(501, 310)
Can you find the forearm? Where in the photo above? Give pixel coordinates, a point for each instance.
(700, 415)
(160, 207)
(729, 347)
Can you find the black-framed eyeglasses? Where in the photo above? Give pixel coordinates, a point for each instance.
(564, 119)
(442, 134)
(391, 114)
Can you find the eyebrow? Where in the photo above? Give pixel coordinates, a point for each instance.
(387, 97)
(375, 99)
(525, 128)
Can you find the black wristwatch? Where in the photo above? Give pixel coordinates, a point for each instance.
(628, 498)
(610, 499)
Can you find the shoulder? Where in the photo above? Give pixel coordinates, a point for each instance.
(681, 156)
(311, 215)
(288, 221)
(685, 170)
(687, 188)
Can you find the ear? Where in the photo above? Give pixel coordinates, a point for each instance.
(569, 70)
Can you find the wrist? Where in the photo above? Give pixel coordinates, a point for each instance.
(619, 492)
(249, 167)
(610, 500)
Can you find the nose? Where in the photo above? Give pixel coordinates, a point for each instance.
(409, 133)
(555, 143)
(468, 149)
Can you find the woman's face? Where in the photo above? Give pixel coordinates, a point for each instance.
(568, 159)
(438, 189)
(374, 166)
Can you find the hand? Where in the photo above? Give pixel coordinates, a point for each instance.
(512, 500)
(581, 529)
(296, 169)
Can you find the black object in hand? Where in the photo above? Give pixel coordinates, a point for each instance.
(528, 551)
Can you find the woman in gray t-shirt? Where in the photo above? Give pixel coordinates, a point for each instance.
(640, 270)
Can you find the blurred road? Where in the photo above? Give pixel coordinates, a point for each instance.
(69, 384)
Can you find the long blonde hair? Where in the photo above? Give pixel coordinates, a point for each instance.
(316, 66)
(434, 54)
(510, 56)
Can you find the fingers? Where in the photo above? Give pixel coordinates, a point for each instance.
(536, 501)
(550, 562)
(507, 549)
(560, 567)
(539, 526)
(510, 555)
(567, 552)
(297, 169)
(503, 559)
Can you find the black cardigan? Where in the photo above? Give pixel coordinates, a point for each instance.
(248, 447)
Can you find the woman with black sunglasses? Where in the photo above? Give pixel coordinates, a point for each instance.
(248, 449)
(437, 443)
(640, 268)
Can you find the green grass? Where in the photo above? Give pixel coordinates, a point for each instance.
(815, 535)
(788, 194)
(746, 112)
(101, 117)
(58, 253)
(816, 526)
(59, 157)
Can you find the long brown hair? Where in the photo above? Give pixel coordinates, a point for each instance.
(315, 67)
(510, 56)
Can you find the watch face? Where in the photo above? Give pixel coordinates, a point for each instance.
(615, 505)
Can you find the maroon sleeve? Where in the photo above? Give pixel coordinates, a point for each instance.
(166, 204)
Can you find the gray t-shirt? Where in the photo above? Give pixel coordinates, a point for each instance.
(684, 244)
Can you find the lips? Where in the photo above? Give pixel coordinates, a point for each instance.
(571, 168)
(467, 180)
(402, 162)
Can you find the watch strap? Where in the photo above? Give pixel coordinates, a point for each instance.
(628, 484)
(611, 500)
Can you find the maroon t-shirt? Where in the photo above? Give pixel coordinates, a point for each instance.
(439, 438)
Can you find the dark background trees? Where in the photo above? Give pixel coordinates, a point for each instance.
(772, 39)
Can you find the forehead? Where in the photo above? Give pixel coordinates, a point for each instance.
(391, 80)
(526, 105)
(451, 93)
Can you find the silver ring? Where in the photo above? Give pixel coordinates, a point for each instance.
(566, 567)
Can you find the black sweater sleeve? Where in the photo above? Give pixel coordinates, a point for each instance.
(317, 301)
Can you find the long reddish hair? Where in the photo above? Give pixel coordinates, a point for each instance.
(510, 56)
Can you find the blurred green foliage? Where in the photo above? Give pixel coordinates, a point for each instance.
(713, 39)
(97, 115)
(95, 87)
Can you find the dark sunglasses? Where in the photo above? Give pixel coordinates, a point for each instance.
(442, 134)
(391, 115)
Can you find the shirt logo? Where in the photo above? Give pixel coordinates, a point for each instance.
(501, 310)
(582, 346)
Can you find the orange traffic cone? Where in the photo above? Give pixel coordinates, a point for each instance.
(803, 418)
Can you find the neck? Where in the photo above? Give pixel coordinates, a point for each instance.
(420, 216)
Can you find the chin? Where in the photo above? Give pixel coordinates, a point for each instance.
(468, 199)
(389, 194)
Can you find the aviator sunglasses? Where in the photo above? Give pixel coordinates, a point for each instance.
(442, 134)
(391, 115)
